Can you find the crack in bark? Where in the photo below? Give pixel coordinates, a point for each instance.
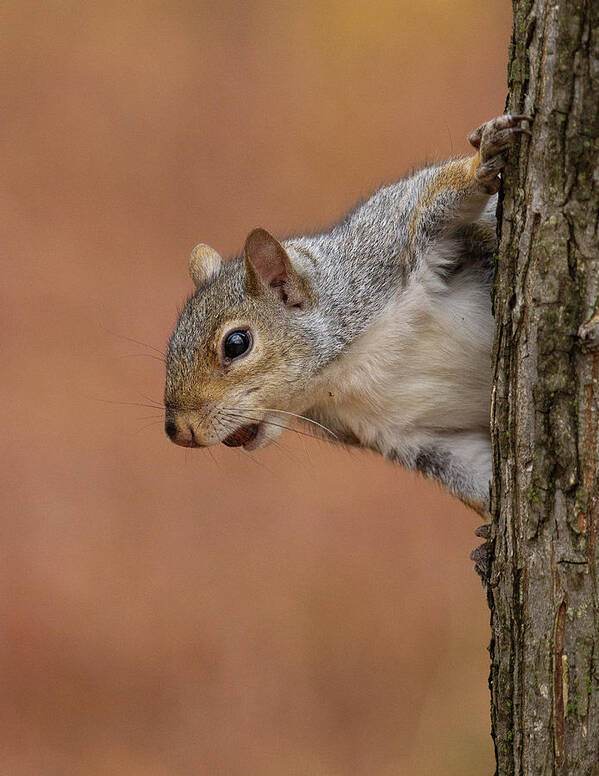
(558, 681)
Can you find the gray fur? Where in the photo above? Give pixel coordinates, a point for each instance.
(391, 351)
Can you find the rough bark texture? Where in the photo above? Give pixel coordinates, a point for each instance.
(544, 586)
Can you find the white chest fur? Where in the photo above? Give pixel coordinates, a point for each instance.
(422, 369)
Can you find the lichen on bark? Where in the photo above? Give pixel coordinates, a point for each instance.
(543, 583)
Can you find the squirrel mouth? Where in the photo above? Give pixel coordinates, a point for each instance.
(241, 436)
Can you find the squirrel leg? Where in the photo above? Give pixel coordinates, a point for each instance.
(456, 193)
(461, 462)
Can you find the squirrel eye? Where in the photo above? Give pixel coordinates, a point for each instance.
(236, 344)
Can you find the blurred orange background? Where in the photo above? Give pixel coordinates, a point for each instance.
(308, 611)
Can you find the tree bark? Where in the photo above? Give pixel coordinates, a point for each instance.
(543, 583)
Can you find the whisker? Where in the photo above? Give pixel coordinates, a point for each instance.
(148, 425)
(144, 355)
(211, 454)
(130, 339)
(276, 425)
(286, 452)
(248, 457)
(126, 403)
(149, 398)
(160, 406)
(287, 412)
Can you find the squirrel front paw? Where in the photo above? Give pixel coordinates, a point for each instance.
(493, 139)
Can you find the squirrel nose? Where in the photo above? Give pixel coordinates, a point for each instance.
(183, 435)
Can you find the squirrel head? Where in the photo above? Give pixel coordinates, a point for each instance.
(241, 348)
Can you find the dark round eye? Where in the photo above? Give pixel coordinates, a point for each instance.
(236, 344)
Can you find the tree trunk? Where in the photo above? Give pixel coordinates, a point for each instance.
(543, 583)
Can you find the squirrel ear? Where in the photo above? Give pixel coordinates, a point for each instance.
(204, 264)
(268, 266)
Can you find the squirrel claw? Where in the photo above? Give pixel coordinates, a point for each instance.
(483, 531)
(474, 138)
(520, 117)
(588, 333)
(482, 554)
(520, 131)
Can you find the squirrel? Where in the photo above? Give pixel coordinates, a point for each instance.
(378, 332)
